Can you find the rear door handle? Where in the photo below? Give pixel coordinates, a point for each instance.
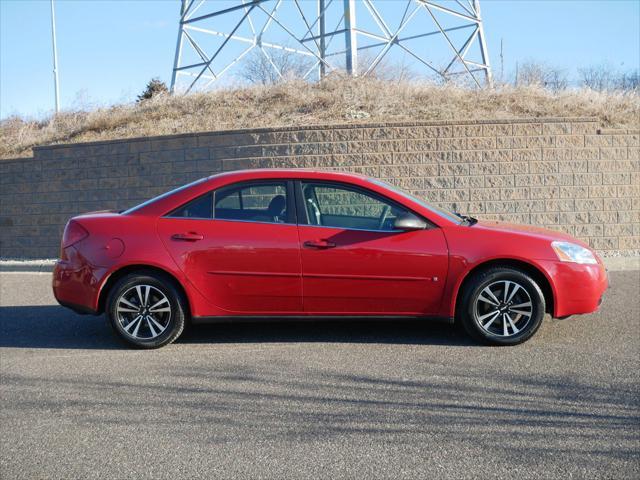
(320, 244)
(187, 237)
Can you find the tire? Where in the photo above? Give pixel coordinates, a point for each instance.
(146, 310)
(491, 317)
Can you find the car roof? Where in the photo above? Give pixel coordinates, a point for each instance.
(286, 173)
(222, 179)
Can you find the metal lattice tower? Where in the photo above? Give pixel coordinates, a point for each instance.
(443, 38)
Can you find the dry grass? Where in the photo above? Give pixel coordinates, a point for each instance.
(336, 100)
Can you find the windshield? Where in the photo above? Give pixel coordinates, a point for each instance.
(438, 211)
(164, 195)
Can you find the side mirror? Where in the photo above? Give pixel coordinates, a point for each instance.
(409, 221)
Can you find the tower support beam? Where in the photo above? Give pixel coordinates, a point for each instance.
(322, 37)
(178, 56)
(351, 41)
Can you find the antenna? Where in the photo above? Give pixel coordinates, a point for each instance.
(502, 60)
(55, 57)
(441, 39)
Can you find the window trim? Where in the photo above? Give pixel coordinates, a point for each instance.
(303, 218)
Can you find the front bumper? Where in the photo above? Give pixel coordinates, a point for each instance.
(577, 288)
(76, 283)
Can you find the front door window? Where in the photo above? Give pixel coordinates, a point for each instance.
(338, 206)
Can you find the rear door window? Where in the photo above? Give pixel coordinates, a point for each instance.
(253, 202)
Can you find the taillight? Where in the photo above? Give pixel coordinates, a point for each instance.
(73, 233)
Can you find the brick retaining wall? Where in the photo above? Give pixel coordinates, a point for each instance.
(564, 174)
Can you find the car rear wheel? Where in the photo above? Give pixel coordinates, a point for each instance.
(146, 310)
(502, 306)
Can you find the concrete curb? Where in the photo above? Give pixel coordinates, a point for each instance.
(27, 266)
(613, 264)
(621, 264)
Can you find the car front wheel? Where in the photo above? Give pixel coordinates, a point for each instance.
(146, 310)
(502, 306)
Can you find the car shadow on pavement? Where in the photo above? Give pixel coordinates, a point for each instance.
(391, 331)
(51, 326)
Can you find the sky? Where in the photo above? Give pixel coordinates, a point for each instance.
(109, 49)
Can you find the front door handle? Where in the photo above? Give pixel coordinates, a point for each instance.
(187, 237)
(319, 244)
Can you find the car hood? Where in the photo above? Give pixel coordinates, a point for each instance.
(529, 231)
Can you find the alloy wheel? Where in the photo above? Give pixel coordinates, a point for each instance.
(143, 312)
(503, 308)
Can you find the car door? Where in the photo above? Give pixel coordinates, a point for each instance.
(239, 247)
(355, 263)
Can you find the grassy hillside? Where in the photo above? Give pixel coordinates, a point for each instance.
(336, 100)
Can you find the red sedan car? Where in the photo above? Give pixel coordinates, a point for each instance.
(262, 244)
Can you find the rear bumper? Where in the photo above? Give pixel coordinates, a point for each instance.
(577, 288)
(79, 309)
(76, 283)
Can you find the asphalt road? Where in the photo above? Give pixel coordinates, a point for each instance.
(326, 400)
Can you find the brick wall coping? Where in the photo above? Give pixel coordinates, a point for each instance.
(619, 131)
(17, 159)
(337, 126)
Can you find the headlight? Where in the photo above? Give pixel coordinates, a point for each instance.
(570, 252)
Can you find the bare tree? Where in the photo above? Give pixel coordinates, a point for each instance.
(543, 75)
(598, 77)
(628, 81)
(385, 69)
(603, 77)
(273, 66)
(556, 79)
(530, 73)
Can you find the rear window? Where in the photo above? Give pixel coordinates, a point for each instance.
(201, 207)
(163, 196)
